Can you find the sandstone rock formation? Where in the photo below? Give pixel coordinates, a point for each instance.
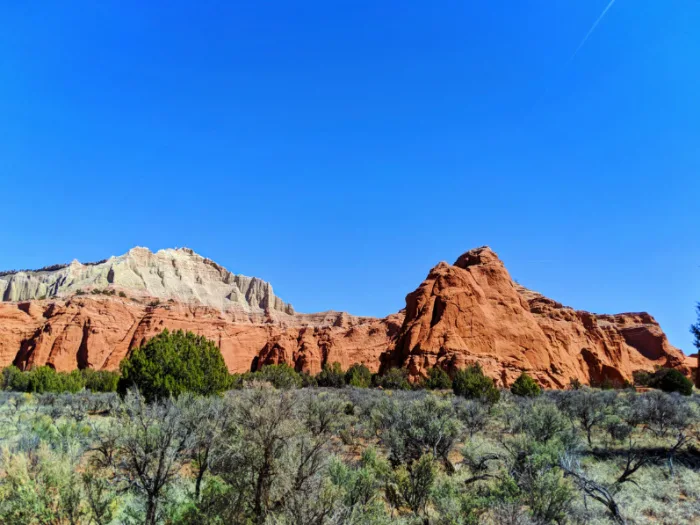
(467, 312)
(472, 311)
(178, 274)
(99, 331)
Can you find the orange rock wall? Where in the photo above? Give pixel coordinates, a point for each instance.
(472, 311)
(463, 313)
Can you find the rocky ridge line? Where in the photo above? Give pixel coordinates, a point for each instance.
(177, 274)
(467, 312)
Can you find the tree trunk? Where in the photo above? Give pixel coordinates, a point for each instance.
(151, 508)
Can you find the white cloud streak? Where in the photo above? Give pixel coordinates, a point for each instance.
(593, 28)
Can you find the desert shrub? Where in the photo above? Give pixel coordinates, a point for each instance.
(575, 383)
(43, 488)
(412, 485)
(205, 419)
(358, 502)
(14, 379)
(587, 407)
(272, 466)
(145, 448)
(641, 377)
(472, 413)
(437, 379)
(307, 380)
(100, 380)
(173, 363)
(44, 379)
(323, 413)
(280, 376)
(393, 379)
(525, 386)
(617, 429)
(660, 412)
(473, 384)
(411, 429)
(122, 295)
(544, 421)
(548, 495)
(331, 376)
(358, 376)
(457, 505)
(671, 380)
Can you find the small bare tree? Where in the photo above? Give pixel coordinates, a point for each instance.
(145, 448)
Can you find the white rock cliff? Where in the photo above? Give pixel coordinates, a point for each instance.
(178, 274)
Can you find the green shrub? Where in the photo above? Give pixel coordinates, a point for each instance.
(14, 379)
(358, 376)
(544, 421)
(46, 379)
(437, 379)
(71, 382)
(331, 376)
(525, 386)
(307, 380)
(641, 377)
(671, 380)
(43, 379)
(471, 383)
(413, 488)
(173, 363)
(280, 376)
(393, 379)
(100, 380)
(575, 384)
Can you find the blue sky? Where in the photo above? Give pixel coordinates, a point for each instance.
(341, 149)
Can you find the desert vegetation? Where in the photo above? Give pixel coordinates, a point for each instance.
(279, 447)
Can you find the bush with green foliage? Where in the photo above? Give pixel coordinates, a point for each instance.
(671, 380)
(100, 380)
(471, 383)
(280, 376)
(393, 379)
(331, 376)
(260, 455)
(525, 386)
(437, 379)
(173, 363)
(14, 379)
(45, 379)
(641, 377)
(358, 376)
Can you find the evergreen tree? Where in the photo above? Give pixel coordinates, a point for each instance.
(173, 363)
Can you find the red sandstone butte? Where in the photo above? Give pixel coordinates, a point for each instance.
(468, 312)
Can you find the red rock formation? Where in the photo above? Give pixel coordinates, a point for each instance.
(472, 311)
(99, 331)
(467, 312)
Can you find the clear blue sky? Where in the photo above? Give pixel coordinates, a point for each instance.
(341, 149)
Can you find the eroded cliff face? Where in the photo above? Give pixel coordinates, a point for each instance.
(472, 311)
(98, 332)
(463, 313)
(178, 274)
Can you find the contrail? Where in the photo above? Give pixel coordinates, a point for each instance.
(590, 32)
